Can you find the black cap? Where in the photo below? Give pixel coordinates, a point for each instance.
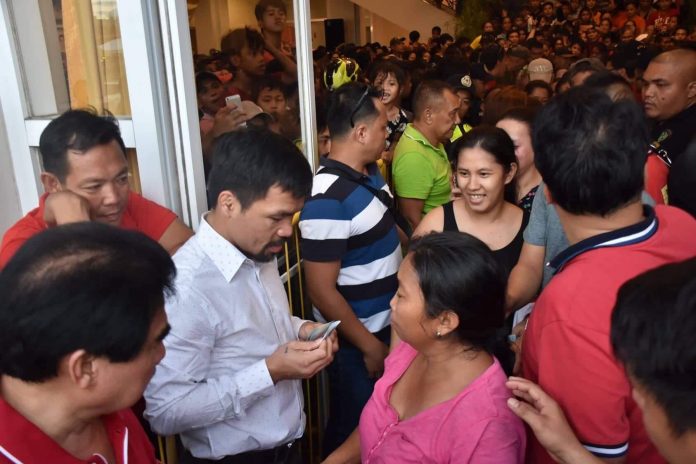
(460, 81)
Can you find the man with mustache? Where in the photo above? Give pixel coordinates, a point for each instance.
(229, 384)
(669, 94)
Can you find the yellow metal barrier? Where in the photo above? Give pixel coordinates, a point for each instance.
(296, 300)
(166, 446)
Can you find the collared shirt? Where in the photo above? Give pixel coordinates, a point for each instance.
(420, 170)
(141, 214)
(213, 386)
(22, 442)
(567, 349)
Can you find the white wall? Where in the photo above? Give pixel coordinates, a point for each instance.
(10, 211)
(384, 30)
(214, 18)
(405, 15)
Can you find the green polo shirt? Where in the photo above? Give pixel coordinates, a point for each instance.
(420, 170)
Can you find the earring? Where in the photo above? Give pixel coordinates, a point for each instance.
(438, 334)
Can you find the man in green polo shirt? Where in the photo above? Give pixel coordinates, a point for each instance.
(421, 170)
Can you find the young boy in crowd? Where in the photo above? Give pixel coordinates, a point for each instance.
(269, 94)
(245, 48)
(271, 16)
(389, 77)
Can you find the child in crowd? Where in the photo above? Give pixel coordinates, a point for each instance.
(390, 78)
(269, 94)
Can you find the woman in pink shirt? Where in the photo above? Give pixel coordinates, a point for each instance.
(442, 398)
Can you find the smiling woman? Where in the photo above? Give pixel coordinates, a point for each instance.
(485, 172)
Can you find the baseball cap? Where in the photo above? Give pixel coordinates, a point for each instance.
(540, 69)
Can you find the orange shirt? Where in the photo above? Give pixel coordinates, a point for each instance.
(141, 214)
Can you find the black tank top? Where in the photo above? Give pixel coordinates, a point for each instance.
(508, 255)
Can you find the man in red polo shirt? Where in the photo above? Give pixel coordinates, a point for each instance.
(81, 327)
(86, 179)
(591, 152)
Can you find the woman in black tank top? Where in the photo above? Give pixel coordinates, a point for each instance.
(485, 172)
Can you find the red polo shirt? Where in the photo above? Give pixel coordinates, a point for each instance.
(141, 214)
(23, 442)
(567, 348)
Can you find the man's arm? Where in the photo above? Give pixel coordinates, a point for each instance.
(289, 66)
(525, 278)
(65, 207)
(412, 210)
(348, 452)
(321, 285)
(413, 179)
(175, 235)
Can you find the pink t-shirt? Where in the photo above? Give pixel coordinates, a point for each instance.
(475, 426)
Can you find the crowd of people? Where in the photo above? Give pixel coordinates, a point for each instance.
(501, 224)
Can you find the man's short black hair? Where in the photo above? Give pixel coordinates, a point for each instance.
(348, 101)
(413, 36)
(249, 162)
(203, 78)
(652, 330)
(426, 93)
(79, 130)
(79, 286)
(591, 151)
(234, 41)
(262, 5)
(605, 79)
(266, 83)
(437, 29)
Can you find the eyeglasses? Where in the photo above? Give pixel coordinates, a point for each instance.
(369, 92)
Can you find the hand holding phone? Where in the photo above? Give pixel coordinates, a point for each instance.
(235, 100)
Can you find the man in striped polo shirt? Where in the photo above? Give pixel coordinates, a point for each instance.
(351, 252)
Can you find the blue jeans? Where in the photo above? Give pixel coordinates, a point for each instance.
(349, 389)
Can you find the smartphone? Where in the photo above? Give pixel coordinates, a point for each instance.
(323, 331)
(236, 99)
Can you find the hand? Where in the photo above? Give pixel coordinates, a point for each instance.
(228, 119)
(516, 346)
(65, 207)
(306, 329)
(374, 359)
(546, 419)
(387, 156)
(299, 359)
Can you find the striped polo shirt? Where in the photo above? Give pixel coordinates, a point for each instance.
(344, 221)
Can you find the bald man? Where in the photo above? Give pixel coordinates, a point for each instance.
(669, 94)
